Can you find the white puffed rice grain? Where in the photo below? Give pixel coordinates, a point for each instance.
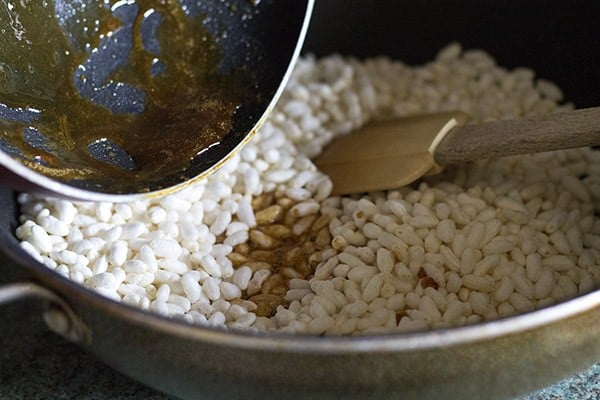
(484, 242)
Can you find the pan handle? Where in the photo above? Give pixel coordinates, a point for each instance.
(59, 316)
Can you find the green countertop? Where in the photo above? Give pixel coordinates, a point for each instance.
(37, 364)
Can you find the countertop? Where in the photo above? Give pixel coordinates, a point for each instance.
(36, 364)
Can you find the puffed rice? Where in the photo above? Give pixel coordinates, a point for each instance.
(261, 244)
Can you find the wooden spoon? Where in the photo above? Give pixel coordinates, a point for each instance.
(389, 154)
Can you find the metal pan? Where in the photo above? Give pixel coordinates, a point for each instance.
(492, 360)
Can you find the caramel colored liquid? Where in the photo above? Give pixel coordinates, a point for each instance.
(139, 75)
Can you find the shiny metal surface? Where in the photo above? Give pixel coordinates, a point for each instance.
(59, 316)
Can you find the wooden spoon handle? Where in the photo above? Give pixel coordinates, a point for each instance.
(497, 139)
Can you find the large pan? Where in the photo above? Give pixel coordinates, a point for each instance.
(493, 360)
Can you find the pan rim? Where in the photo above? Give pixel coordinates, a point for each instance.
(392, 342)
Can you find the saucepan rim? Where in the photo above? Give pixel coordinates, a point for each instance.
(75, 293)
